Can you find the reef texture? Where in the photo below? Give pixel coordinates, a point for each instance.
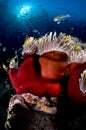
(34, 112)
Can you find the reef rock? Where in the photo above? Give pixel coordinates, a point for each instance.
(29, 112)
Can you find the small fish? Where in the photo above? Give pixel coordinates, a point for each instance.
(72, 28)
(16, 56)
(28, 40)
(58, 22)
(77, 48)
(4, 49)
(4, 67)
(35, 31)
(60, 17)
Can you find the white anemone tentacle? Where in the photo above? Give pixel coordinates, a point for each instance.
(30, 47)
(13, 63)
(77, 56)
(51, 42)
(82, 82)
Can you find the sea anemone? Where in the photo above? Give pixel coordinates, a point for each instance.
(78, 54)
(52, 42)
(77, 83)
(54, 52)
(47, 63)
(13, 63)
(29, 46)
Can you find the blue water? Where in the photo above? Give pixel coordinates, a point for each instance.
(18, 19)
